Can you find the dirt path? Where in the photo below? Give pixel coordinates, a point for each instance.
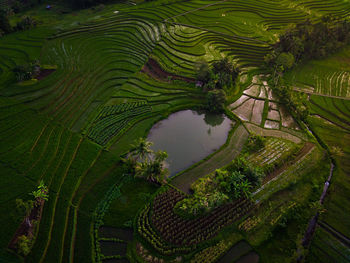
(218, 160)
(44, 73)
(273, 133)
(154, 70)
(319, 94)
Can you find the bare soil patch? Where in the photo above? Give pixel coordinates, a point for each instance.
(154, 70)
(44, 73)
(27, 226)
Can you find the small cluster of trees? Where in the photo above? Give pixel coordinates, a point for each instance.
(224, 185)
(217, 81)
(294, 101)
(26, 22)
(5, 26)
(25, 241)
(308, 41)
(27, 71)
(143, 162)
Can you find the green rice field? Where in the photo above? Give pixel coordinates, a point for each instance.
(114, 71)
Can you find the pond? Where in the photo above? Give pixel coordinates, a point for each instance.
(189, 136)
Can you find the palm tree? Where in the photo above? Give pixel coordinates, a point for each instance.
(41, 193)
(142, 149)
(153, 170)
(245, 188)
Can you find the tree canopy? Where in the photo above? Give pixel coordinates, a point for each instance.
(224, 185)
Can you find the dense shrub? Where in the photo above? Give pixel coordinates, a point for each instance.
(216, 101)
(253, 174)
(24, 245)
(254, 143)
(26, 71)
(217, 81)
(26, 22)
(309, 41)
(220, 187)
(222, 74)
(296, 102)
(5, 26)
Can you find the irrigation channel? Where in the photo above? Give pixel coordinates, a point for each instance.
(313, 221)
(189, 136)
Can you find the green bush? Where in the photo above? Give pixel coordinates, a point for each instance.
(23, 245)
(5, 26)
(254, 143)
(220, 187)
(216, 100)
(26, 22)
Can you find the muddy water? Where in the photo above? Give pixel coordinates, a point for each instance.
(189, 136)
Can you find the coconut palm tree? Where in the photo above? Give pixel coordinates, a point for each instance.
(141, 149)
(153, 170)
(245, 188)
(41, 193)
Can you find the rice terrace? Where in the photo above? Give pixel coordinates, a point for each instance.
(195, 131)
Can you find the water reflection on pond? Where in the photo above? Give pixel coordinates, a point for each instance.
(189, 136)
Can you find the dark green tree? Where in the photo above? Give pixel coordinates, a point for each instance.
(216, 101)
(202, 71)
(153, 169)
(4, 22)
(286, 60)
(141, 149)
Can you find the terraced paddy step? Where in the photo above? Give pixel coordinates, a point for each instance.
(325, 247)
(160, 226)
(275, 133)
(113, 243)
(292, 172)
(93, 62)
(251, 257)
(341, 237)
(240, 252)
(154, 70)
(307, 148)
(125, 234)
(319, 94)
(115, 260)
(112, 248)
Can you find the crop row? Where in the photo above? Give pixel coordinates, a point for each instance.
(274, 149)
(148, 233)
(104, 129)
(82, 77)
(181, 232)
(115, 109)
(211, 253)
(99, 213)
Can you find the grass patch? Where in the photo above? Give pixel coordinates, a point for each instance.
(135, 194)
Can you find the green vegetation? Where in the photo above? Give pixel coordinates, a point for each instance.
(5, 26)
(144, 163)
(135, 194)
(254, 143)
(42, 193)
(220, 187)
(217, 81)
(82, 80)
